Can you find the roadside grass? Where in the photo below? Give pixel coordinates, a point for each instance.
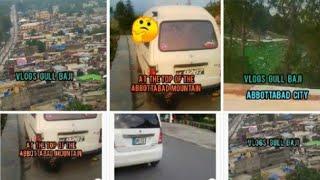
(200, 121)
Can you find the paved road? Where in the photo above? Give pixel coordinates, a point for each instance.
(201, 137)
(120, 79)
(124, 71)
(85, 168)
(181, 161)
(10, 162)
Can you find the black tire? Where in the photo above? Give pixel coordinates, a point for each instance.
(154, 164)
(53, 165)
(25, 133)
(139, 70)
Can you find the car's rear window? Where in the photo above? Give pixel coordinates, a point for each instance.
(130, 121)
(57, 117)
(187, 35)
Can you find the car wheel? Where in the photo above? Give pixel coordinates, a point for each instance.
(154, 164)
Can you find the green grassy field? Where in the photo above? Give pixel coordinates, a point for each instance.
(263, 58)
(266, 57)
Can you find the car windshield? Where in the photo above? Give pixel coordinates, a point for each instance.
(186, 35)
(130, 121)
(55, 117)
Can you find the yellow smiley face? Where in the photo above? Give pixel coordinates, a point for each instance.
(144, 29)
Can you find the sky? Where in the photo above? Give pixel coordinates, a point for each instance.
(141, 6)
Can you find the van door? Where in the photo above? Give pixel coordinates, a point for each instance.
(143, 55)
(31, 126)
(85, 129)
(134, 132)
(188, 47)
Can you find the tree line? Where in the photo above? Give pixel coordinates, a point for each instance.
(69, 6)
(296, 20)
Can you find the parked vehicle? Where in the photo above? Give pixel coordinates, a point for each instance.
(138, 139)
(85, 129)
(188, 43)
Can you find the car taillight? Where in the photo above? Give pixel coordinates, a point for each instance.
(100, 138)
(160, 137)
(38, 137)
(152, 71)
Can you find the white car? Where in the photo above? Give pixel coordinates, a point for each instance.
(85, 129)
(188, 43)
(138, 139)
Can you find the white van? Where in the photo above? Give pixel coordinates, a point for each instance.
(138, 139)
(85, 129)
(188, 43)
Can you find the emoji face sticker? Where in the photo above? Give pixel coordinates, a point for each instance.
(144, 29)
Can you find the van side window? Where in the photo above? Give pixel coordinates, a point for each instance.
(146, 44)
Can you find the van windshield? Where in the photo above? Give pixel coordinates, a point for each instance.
(129, 121)
(187, 35)
(56, 117)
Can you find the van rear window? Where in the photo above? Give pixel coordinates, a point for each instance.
(131, 121)
(57, 117)
(187, 35)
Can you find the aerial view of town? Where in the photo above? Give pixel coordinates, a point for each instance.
(274, 146)
(53, 36)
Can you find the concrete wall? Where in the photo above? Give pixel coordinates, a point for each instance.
(16, 101)
(247, 165)
(274, 157)
(33, 95)
(262, 160)
(46, 92)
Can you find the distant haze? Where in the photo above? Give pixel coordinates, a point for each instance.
(141, 6)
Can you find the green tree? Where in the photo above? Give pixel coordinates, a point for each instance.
(124, 14)
(60, 33)
(120, 13)
(33, 32)
(260, 20)
(238, 15)
(302, 172)
(80, 73)
(305, 140)
(94, 71)
(289, 10)
(130, 14)
(213, 8)
(78, 106)
(41, 46)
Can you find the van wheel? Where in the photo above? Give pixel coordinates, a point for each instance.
(139, 67)
(53, 165)
(169, 99)
(26, 137)
(154, 164)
